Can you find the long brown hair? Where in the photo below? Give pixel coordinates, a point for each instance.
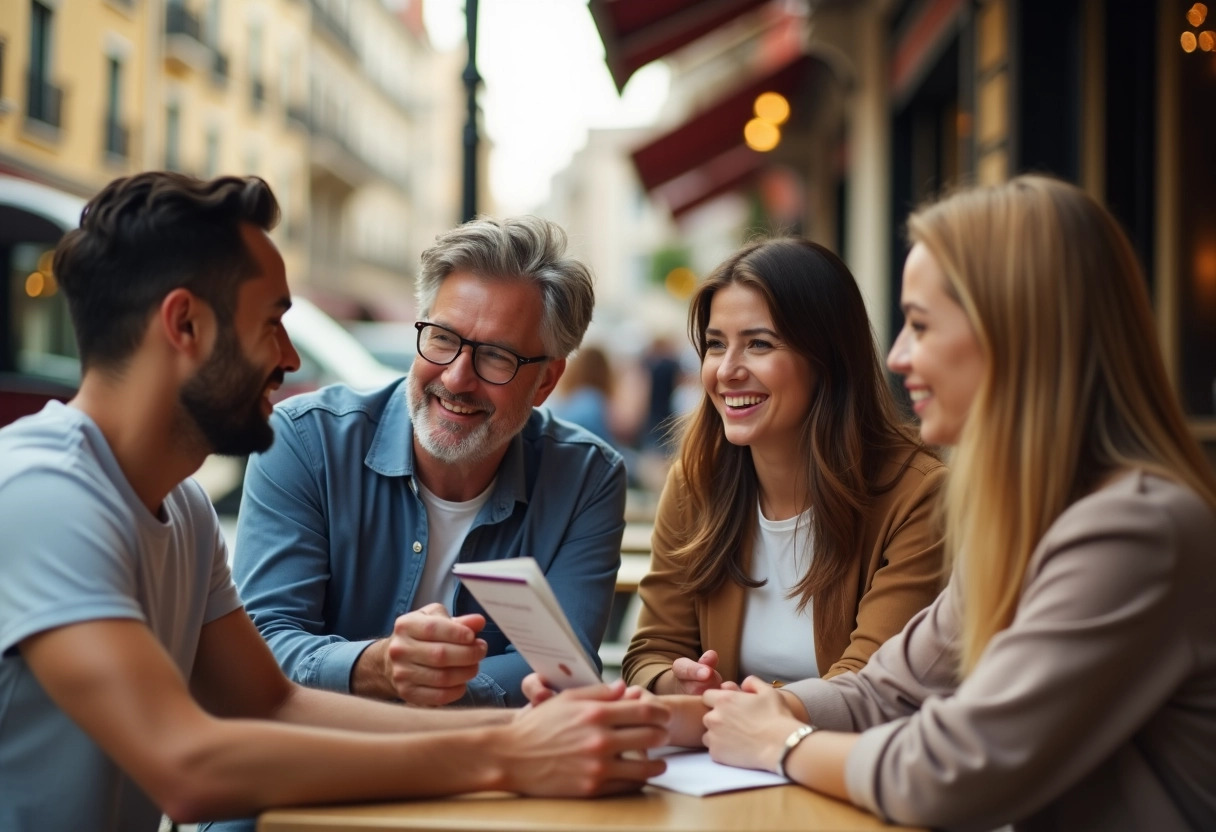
(1074, 386)
(849, 434)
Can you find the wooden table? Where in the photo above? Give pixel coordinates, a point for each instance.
(776, 808)
(633, 569)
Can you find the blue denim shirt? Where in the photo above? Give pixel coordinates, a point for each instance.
(332, 535)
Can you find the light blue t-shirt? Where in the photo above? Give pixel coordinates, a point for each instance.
(76, 545)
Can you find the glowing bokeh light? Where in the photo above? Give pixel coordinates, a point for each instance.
(680, 282)
(34, 284)
(772, 107)
(761, 135)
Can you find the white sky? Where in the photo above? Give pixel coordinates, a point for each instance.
(544, 84)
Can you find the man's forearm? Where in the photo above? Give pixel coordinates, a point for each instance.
(306, 706)
(247, 765)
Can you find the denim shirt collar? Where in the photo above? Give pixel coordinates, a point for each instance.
(392, 454)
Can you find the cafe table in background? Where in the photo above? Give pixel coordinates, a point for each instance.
(775, 808)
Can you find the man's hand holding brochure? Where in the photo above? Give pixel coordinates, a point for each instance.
(516, 595)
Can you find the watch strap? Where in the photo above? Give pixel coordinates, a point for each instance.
(791, 742)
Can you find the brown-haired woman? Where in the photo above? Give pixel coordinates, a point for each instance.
(795, 532)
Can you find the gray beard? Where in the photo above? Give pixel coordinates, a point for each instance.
(435, 434)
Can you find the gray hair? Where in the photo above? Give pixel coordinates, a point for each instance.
(520, 248)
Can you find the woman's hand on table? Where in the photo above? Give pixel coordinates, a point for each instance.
(747, 727)
(691, 677)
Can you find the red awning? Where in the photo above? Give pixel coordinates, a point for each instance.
(920, 40)
(706, 155)
(636, 32)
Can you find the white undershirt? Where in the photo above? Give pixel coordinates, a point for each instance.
(778, 642)
(448, 524)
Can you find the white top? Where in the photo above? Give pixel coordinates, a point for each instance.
(778, 642)
(448, 525)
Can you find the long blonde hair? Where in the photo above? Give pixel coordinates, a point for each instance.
(1074, 386)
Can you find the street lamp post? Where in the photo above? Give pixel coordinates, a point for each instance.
(471, 81)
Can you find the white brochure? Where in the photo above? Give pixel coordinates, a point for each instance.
(516, 595)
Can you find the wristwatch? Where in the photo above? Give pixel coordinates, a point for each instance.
(791, 742)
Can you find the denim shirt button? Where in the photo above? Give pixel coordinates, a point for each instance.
(417, 546)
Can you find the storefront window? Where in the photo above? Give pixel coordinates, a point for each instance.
(1197, 210)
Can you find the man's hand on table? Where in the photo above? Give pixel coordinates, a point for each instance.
(584, 742)
(687, 712)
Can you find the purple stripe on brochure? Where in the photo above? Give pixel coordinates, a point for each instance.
(496, 579)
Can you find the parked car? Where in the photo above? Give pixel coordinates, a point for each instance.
(38, 358)
(392, 342)
(37, 349)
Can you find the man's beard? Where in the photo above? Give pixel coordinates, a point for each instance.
(455, 444)
(224, 400)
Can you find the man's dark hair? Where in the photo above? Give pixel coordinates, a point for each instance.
(142, 237)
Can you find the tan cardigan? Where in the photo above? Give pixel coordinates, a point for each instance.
(899, 574)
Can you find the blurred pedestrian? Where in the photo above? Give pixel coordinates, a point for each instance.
(663, 369)
(585, 391)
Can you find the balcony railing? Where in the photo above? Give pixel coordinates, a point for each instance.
(297, 114)
(334, 27)
(219, 66)
(118, 138)
(181, 21)
(45, 103)
(333, 149)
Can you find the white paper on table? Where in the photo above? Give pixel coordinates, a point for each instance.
(693, 772)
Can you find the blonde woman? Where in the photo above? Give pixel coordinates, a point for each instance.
(1066, 678)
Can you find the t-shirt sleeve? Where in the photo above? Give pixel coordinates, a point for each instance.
(222, 594)
(66, 555)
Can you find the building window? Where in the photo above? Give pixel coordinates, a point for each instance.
(116, 133)
(173, 130)
(211, 24)
(211, 167)
(257, 86)
(45, 100)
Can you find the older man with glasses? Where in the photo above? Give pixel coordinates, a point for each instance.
(351, 522)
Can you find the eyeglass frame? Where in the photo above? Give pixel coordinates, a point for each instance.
(474, 345)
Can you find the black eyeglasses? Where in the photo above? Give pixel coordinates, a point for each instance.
(492, 363)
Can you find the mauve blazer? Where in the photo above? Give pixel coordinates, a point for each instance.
(899, 573)
(1095, 709)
